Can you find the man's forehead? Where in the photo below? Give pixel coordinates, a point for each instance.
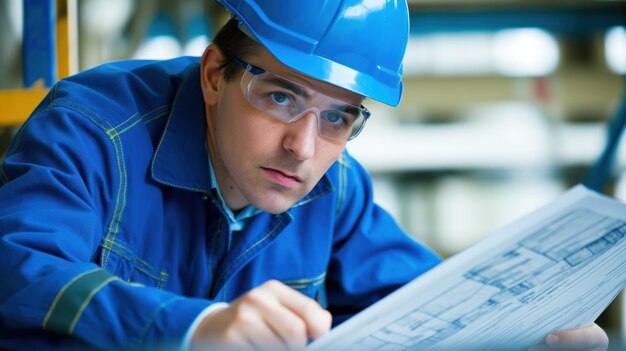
(267, 61)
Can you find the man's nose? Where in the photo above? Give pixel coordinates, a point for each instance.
(302, 135)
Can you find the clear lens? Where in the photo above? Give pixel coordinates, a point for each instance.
(288, 101)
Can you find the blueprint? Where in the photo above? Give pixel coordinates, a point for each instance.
(557, 268)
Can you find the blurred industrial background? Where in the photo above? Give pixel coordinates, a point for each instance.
(506, 102)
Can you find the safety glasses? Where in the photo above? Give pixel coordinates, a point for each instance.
(289, 101)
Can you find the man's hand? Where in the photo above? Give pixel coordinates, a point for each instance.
(270, 317)
(591, 338)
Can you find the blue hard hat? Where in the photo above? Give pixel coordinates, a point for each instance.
(354, 44)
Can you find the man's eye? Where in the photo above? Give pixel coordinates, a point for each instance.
(280, 99)
(334, 117)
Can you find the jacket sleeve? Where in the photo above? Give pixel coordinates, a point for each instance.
(55, 186)
(372, 256)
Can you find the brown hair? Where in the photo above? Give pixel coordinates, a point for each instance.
(233, 43)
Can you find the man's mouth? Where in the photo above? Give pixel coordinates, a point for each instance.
(283, 178)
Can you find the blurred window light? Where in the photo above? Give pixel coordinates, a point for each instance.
(471, 48)
(160, 42)
(615, 49)
(106, 18)
(449, 54)
(197, 35)
(161, 47)
(525, 52)
(511, 52)
(196, 46)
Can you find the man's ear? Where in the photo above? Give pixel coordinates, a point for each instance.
(211, 73)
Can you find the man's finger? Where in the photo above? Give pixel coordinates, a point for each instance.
(317, 320)
(288, 326)
(262, 337)
(591, 337)
(280, 320)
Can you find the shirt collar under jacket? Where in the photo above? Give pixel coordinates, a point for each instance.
(238, 221)
(180, 159)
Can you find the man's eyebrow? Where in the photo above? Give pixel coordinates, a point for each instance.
(353, 110)
(295, 88)
(300, 91)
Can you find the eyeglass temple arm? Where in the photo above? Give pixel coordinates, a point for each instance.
(252, 69)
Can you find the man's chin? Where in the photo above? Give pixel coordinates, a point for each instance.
(275, 208)
(274, 205)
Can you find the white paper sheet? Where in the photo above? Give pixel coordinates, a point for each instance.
(554, 269)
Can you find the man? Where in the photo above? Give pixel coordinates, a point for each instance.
(210, 202)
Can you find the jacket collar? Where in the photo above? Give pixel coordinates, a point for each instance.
(180, 159)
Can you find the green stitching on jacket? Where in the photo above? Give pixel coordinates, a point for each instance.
(305, 282)
(248, 250)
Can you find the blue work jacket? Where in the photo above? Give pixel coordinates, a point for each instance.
(108, 224)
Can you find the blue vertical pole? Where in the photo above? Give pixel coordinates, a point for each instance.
(39, 48)
(600, 173)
